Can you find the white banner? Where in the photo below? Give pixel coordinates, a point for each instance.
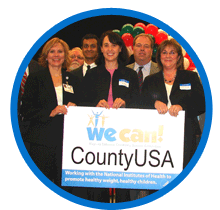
(123, 148)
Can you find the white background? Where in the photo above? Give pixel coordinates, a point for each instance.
(24, 22)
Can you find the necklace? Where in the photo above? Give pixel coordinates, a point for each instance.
(169, 81)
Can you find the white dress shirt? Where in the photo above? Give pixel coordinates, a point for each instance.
(145, 69)
(92, 65)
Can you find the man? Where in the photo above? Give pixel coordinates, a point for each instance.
(77, 58)
(143, 50)
(90, 49)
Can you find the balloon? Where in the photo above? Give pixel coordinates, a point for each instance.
(142, 25)
(191, 64)
(137, 30)
(117, 31)
(183, 51)
(152, 37)
(128, 39)
(154, 51)
(186, 63)
(170, 37)
(151, 29)
(160, 30)
(161, 36)
(127, 28)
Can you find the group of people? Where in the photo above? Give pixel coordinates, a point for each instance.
(98, 75)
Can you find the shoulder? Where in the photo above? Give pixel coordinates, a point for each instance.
(131, 66)
(186, 73)
(153, 64)
(126, 70)
(76, 71)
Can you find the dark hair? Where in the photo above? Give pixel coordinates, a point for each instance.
(172, 42)
(91, 36)
(115, 38)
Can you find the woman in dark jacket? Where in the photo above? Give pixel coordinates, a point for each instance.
(174, 89)
(110, 85)
(46, 97)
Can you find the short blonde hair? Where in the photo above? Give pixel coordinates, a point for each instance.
(42, 59)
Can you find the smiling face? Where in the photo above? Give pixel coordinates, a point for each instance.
(90, 50)
(169, 57)
(142, 50)
(56, 56)
(110, 51)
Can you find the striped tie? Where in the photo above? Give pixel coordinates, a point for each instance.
(140, 77)
(23, 81)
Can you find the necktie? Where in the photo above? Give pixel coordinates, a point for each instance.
(140, 77)
(23, 81)
(88, 67)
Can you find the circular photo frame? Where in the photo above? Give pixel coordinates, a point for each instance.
(98, 14)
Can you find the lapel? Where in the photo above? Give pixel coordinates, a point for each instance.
(153, 69)
(48, 82)
(162, 88)
(176, 82)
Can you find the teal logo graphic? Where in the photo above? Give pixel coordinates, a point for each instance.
(97, 131)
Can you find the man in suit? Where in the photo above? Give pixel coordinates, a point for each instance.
(143, 50)
(91, 50)
(144, 66)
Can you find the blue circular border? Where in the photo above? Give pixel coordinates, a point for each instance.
(128, 13)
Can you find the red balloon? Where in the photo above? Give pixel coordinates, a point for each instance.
(142, 25)
(151, 29)
(161, 36)
(191, 64)
(128, 39)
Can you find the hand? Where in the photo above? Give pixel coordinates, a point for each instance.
(161, 107)
(174, 110)
(103, 103)
(59, 110)
(118, 103)
(71, 104)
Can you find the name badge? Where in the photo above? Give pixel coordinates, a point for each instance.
(185, 86)
(123, 82)
(68, 88)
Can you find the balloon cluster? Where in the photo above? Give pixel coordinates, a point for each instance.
(128, 33)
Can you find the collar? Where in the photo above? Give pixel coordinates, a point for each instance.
(92, 65)
(145, 67)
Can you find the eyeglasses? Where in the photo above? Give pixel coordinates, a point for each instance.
(170, 53)
(78, 57)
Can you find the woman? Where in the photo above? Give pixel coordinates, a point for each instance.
(113, 84)
(110, 85)
(174, 89)
(47, 95)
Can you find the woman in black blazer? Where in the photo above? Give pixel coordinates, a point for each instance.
(46, 97)
(174, 89)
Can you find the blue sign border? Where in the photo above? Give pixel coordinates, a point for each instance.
(94, 13)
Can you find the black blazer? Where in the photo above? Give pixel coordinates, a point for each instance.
(39, 100)
(78, 73)
(96, 83)
(192, 101)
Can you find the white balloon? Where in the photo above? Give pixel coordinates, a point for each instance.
(186, 63)
(183, 51)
